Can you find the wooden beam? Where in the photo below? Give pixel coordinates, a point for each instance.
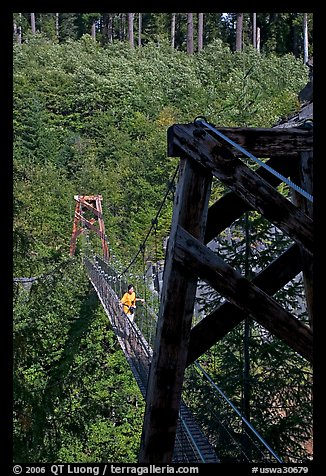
(105, 247)
(261, 142)
(247, 184)
(90, 226)
(201, 261)
(230, 207)
(85, 204)
(304, 177)
(267, 142)
(87, 201)
(223, 319)
(174, 320)
(305, 180)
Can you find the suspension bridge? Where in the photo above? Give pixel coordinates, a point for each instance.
(162, 349)
(136, 340)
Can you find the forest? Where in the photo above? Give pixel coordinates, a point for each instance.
(93, 97)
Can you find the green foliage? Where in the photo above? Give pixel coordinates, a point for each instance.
(94, 120)
(70, 377)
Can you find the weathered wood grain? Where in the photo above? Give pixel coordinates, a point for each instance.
(230, 206)
(247, 184)
(261, 142)
(174, 320)
(201, 261)
(223, 319)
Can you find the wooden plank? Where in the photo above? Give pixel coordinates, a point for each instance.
(261, 142)
(247, 184)
(230, 207)
(222, 320)
(201, 261)
(174, 320)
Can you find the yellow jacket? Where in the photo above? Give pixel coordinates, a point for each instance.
(128, 300)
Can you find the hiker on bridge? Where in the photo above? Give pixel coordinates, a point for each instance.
(128, 302)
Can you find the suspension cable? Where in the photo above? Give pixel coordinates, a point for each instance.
(201, 120)
(144, 278)
(41, 276)
(154, 222)
(171, 183)
(193, 442)
(216, 388)
(196, 363)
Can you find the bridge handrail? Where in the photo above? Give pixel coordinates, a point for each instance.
(103, 275)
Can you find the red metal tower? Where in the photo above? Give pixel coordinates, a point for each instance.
(93, 204)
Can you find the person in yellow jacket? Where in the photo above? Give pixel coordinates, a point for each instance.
(128, 302)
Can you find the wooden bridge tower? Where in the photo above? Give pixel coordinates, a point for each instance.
(195, 223)
(92, 203)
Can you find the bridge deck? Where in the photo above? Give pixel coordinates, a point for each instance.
(191, 444)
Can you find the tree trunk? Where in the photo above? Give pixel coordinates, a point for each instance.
(94, 31)
(173, 31)
(131, 29)
(305, 38)
(254, 30)
(57, 25)
(258, 39)
(190, 34)
(139, 29)
(33, 23)
(110, 28)
(19, 30)
(239, 28)
(123, 27)
(200, 31)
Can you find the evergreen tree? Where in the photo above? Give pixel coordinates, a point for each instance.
(84, 122)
